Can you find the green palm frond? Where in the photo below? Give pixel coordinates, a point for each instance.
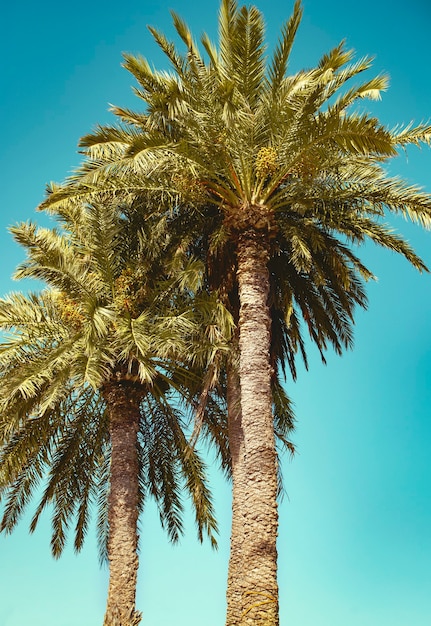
(278, 68)
(415, 135)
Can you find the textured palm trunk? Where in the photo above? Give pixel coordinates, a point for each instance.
(259, 499)
(123, 401)
(235, 590)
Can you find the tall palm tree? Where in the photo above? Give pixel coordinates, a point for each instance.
(88, 368)
(296, 179)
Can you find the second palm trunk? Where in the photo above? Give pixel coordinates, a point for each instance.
(123, 400)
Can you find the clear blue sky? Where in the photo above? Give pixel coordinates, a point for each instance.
(354, 541)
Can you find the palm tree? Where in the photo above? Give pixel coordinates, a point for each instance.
(88, 369)
(295, 178)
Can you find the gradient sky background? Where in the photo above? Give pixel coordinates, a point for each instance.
(354, 541)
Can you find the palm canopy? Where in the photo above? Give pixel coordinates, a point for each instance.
(235, 139)
(219, 114)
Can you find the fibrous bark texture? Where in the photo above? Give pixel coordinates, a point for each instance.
(259, 501)
(236, 446)
(123, 399)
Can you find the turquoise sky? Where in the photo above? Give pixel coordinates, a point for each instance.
(354, 541)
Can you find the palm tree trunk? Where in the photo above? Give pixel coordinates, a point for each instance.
(123, 401)
(259, 553)
(235, 589)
